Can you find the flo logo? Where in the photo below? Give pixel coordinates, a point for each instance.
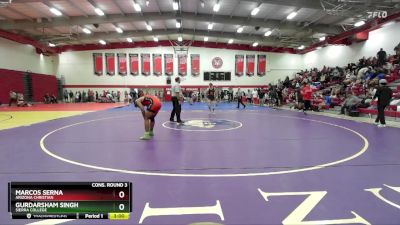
(200, 124)
(377, 14)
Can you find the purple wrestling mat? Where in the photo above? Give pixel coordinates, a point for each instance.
(232, 167)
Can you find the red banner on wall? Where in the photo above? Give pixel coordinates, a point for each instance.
(157, 64)
(169, 64)
(250, 61)
(145, 64)
(134, 64)
(239, 65)
(195, 64)
(261, 64)
(98, 63)
(182, 65)
(110, 64)
(122, 66)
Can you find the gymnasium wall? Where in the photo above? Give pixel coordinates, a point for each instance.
(77, 68)
(386, 37)
(15, 60)
(20, 57)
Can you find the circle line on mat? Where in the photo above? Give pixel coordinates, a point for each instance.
(316, 167)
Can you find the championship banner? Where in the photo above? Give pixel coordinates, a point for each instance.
(239, 65)
(195, 64)
(110, 64)
(250, 61)
(261, 65)
(122, 66)
(182, 65)
(169, 64)
(145, 64)
(98, 63)
(157, 64)
(134, 64)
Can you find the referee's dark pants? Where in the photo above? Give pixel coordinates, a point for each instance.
(176, 110)
(381, 114)
(240, 102)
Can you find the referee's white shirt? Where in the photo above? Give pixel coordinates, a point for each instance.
(175, 88)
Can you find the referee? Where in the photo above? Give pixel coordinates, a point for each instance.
(176, 95)
(384, 94)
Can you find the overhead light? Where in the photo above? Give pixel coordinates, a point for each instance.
(102, 42)
(239, 30)
(148, 27)
(255, 44)
(178, 24)
(359, 23)
(322, 38)
(175, 5)
(87, 31)
(55, 11)
(205, 38)
(155, 39)
(119, 30)
(255, 11)
(202, 4)
(291, 15)
(99, 12)
(210, 26)
(129, 39)
(147, 2)
(301, 47)
(268, 33)
(216, 7)
(52, 45)
(137, 7)
(180, 39)
(230, 41)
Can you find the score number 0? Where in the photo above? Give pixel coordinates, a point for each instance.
(121, 194)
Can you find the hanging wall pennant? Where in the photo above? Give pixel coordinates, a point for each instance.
(145, 64)
(110, 64)
(261, 65)
(134, 64)
(250, 61)
(169, 64)
(239, 65)
(98, 63)
(122, 65)
(195, 64)
(157, 64)
(182, 64)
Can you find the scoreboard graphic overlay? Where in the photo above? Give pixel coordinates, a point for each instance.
(70, 200)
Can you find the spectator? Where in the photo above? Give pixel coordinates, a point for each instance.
(46, 98)
(350, 104)
(53, 99)
(381, 58)
(97, 95)
(71, 96)
(13, 98)
(21, 102)
(65, 96)
(307, 96)
(255, 96)
(249, 96)
(84, 97)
